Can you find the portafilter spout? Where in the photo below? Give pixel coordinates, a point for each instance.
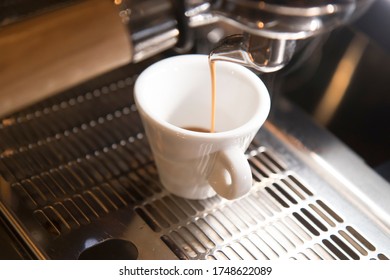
(262, 54)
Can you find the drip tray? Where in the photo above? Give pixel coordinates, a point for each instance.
(78, 181)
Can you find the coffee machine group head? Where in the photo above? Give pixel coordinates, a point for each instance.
(270, 28)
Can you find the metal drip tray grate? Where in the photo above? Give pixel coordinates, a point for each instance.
(77, 171)
(279, 218)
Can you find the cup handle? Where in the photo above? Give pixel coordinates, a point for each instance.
(231, 175)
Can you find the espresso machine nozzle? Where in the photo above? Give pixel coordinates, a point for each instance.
(260, 53)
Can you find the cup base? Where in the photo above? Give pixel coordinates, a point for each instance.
(191, 192)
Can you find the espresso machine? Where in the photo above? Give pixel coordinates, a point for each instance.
(78, 179)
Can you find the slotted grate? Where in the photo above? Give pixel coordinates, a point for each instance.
(258, 226)
(79, 161)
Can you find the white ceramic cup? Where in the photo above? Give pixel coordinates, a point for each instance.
(175, 93)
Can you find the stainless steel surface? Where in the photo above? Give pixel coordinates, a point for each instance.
(77, 174)
(11, 246)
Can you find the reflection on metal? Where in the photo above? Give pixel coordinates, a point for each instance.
(81, 173)
(262, 54)
(340, 81)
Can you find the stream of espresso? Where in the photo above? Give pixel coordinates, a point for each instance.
(213, 102)
(213, 94)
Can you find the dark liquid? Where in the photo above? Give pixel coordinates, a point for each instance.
(213, 102)
(197, 129)
(213, 93)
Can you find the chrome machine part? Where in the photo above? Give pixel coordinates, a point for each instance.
(278, 23)
(78, 180)
(153, 26)
(248, 50)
